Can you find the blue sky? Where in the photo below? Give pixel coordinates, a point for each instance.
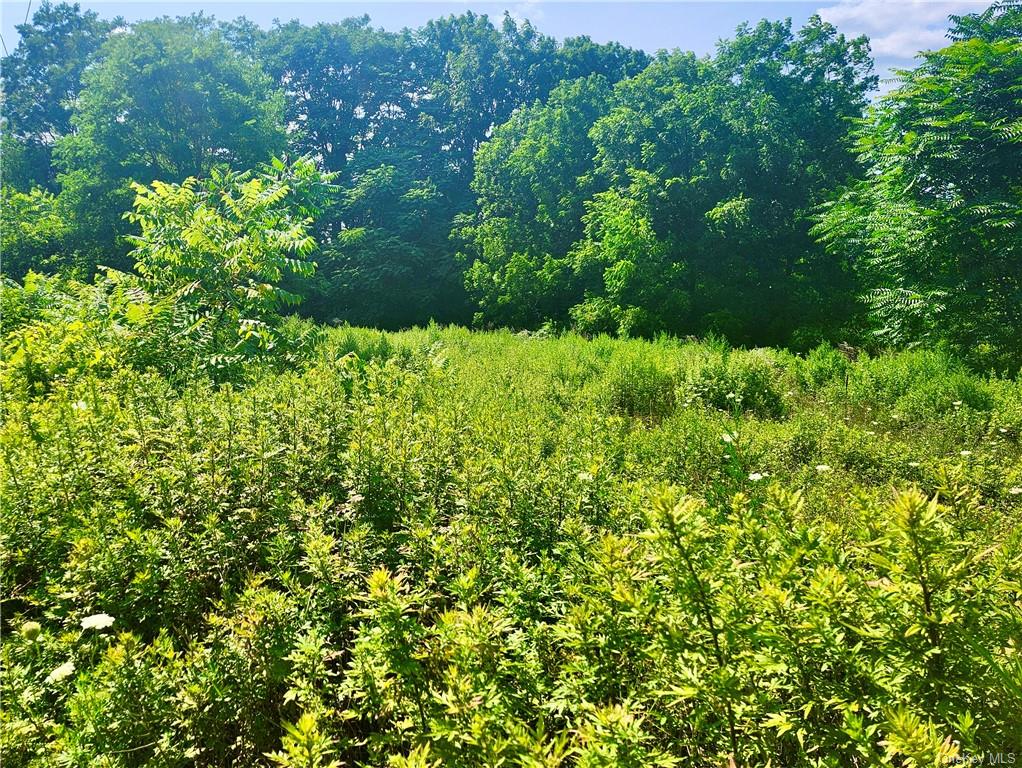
(897, 29)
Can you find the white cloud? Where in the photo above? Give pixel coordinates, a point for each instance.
(530, 10)
(898, 29)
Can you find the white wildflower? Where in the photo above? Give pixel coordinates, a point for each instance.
(64, 670)
(756, 476)
(97, 621)
(1015, 491)
(823, 468)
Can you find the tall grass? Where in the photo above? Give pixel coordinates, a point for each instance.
(440, 546)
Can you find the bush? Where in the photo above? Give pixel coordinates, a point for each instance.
(822, 366)
(642, 389)
(739, 382)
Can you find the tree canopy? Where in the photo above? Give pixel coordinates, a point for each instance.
(42, 79)
(932, 226)
(682, 202)
(487, 171)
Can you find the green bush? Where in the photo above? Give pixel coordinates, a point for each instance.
(823, 365)
(739, 382)
(642, 388)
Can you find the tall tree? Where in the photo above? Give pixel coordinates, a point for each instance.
(346, 85)
(386, 259)
(477, 75)
(42, 79)
(581, 57)
(701, 180)
(402, 117)
(531, 180)
(165, 100)
(933, 226)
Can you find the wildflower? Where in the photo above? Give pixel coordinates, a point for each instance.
(727, 438)
(957, 403)
(913, 464)
(97, 621)
(64, 670)
(80, 405)
(30, 630)
(823, 468)
(756, 476)
(966, 453)
(1015, 490)
(1002, 430)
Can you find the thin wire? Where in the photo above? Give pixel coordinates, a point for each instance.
(4, 45)
(28, 10)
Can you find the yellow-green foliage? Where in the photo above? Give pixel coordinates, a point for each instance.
(450, 548)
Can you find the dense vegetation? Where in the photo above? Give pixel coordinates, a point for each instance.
(492, 173)
(231, 535)
(485, 549)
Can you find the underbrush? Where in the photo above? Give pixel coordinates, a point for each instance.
(444, 547)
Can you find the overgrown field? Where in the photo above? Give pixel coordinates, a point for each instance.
(481, 549)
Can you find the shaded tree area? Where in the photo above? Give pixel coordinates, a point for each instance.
(685, 193)
(92, 106)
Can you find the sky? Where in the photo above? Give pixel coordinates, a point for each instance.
(897, 29)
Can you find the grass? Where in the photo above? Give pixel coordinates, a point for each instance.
(489, 548)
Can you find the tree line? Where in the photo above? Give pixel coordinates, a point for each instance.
(488, 173)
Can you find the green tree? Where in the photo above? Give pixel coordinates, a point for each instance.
(697, 179)
(734, 152)
(345, 85)
(581, 57)
(221, 249)
(386, 260)
(477, 76)
(42, 79)
(634, 286)
(401, 117)
(34, 231)
(165, 100)
(531, 180)
(933, 226)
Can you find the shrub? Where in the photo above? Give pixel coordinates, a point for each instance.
(739, 382)
(221, 250)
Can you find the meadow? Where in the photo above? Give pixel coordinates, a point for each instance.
(739, 483)
(451, 547)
